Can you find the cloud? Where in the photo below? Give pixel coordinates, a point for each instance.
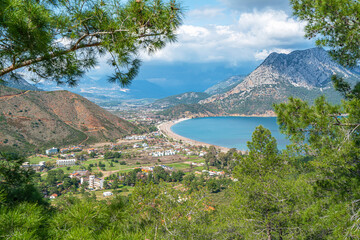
(261, 55)
(269, 30)
(206, 13)
(246, 5)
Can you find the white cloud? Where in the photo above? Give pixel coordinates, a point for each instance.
(261, 55)
(206, 13)
(269, 30)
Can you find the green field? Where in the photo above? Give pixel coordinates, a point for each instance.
(36, 160)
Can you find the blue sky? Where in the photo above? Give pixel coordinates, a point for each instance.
(218, 39)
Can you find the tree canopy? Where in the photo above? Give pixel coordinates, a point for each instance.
(335, 23)
(60, 40)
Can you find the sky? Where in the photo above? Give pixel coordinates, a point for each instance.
(218, 39)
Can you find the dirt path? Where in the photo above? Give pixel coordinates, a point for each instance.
(87, 138)
(14, 95)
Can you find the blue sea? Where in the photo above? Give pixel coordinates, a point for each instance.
(230, 132)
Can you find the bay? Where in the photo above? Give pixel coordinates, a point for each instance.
(230, 132)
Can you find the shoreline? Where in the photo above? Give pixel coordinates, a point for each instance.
(165, 129)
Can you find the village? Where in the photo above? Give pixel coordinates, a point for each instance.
(101, 168)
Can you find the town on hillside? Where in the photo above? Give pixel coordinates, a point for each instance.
(108, 169)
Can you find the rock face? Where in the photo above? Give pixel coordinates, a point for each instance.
(30, 119)
(305, 74)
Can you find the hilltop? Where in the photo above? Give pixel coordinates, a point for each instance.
(32, 119)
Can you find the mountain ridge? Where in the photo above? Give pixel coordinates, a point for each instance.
(19, 83)
(305, 74)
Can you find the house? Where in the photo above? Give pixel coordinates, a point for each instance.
(79, 174)
(107, 194)
(64, 150)
(53, 196)
(35, 167)
(52, 151)
(158, 154)
(202, 154)
(96, 183)
(166, 167)
(147, 169)
(66, 162)
(91, 150)
(198, 164)
(170, 152)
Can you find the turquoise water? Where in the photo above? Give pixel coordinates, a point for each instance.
(230, 132)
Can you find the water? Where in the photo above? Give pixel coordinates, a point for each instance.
(230, 132)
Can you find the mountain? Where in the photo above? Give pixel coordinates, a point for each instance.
(304, 74)
(191, 110)
(225, 85)
(31, 119)
(185, 98)
(19, 83)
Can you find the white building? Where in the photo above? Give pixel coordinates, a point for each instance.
(202, 154)
(107, 194)
(52, 151)
(66, 162)
(170, 153)
(96, 183)
(158, 154)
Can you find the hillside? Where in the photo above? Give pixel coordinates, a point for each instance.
(305, 74)
(225, 85)
(191, 110)
(32, 119)
(185, 98)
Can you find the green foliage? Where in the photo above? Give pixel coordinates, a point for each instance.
(111, 155)
(16, 182)
(33, 34)
(325, 142)
(183, 109)
(345, 89)
(25, 221)
(335, 24)
(265, 196)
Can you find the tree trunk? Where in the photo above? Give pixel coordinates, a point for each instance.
(268, 231)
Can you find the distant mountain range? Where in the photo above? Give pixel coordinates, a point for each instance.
(304, 74)
(19, 83)
(39, 119)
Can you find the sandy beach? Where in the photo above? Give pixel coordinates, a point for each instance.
(165, 128)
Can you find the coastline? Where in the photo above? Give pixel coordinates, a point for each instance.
(165, 128)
